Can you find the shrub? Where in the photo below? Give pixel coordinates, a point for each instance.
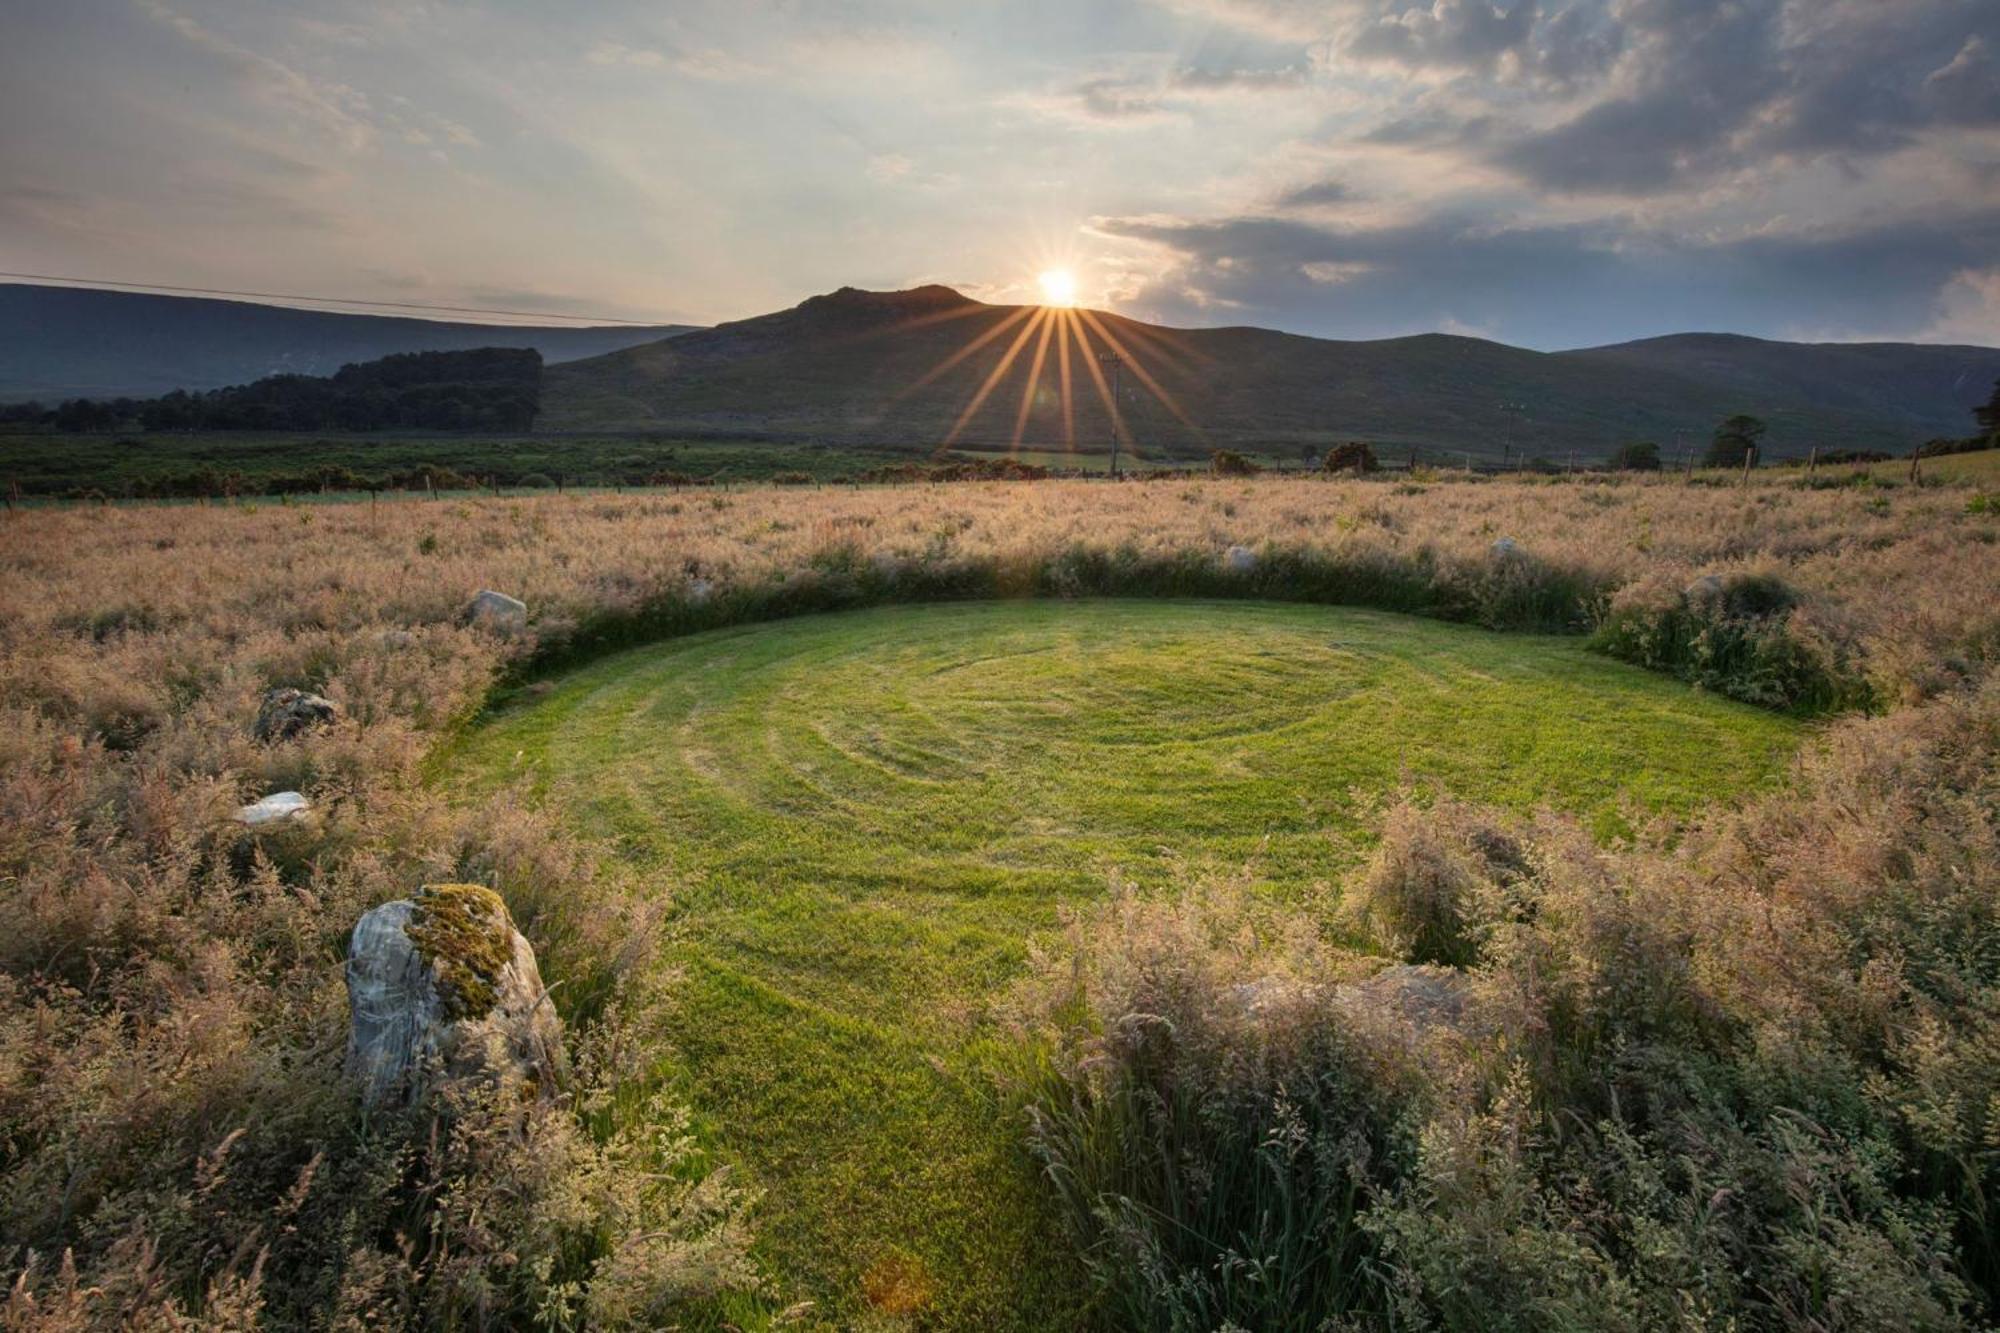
(1746, 1072)
(1640, 457)
(1229, 463)
(1440, 877)
(1742, 634)
(1354, 456)
(1211, 1119)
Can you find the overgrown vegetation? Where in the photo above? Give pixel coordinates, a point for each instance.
(1810, 1028)
(1741, 1073)
(874, 810)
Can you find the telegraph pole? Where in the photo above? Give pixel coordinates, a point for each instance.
(1115, 363)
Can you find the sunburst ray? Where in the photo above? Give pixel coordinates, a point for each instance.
(1034, 378)
(994, 376)
(1138, 368)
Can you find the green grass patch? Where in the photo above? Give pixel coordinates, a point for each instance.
(50, 463)
(864, 817)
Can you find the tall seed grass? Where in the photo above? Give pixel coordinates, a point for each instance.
(175, 1141)
(1735, 1074)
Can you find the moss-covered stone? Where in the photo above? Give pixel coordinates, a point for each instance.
(464, 933)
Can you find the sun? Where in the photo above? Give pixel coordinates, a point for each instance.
(1058, 287)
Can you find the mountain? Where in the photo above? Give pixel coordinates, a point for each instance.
(68, 342)
(904, 366)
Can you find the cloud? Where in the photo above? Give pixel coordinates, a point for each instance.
(337, 110)
(1317, 195)
(1703, 89)
(1331, 274)
(1968, 309)
(1127, 98)
(1561, 284)
(1966, 91)
(700, 63)
(886, 167)
(1557, 171)
(1196, 80)
(1450, 32)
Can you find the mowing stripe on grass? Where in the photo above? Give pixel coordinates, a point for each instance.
(863, 817)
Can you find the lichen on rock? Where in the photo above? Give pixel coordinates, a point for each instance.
(441, 986)
(462, 931)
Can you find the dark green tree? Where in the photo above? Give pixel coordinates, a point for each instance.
(1354, 456)
(1640, 456)
(1988, 415)
(1735, 440)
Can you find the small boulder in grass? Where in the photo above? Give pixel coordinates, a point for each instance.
(277, 808)
(1240, 560)
(1425, 996)
(442, 987)
(1505, 548)
(1705, 590)
(287, 714)
(498, 611)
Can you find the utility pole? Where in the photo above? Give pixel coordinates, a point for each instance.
(1115, 363)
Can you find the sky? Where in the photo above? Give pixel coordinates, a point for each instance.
(1550, 173)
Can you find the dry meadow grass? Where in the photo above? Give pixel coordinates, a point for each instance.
(178, 1149)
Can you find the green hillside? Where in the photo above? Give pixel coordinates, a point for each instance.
(905, 366)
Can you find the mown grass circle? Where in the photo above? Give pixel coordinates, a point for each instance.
(864, 817)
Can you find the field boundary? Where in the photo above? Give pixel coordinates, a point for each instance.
(1715, 642)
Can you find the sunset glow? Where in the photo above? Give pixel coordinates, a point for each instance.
(1058, 287)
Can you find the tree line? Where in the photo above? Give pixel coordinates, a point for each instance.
(1739, 440)
(482, 389)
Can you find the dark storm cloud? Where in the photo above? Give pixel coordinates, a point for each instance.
(1550, 286)
(1708, 86)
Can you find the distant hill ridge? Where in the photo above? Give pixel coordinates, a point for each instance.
(857, 365)
(74, 342)
(930, 365)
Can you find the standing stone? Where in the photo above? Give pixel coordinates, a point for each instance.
(287, 713)
(498, 611)
(441, 985)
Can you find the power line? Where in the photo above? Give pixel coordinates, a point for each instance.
(325, 300)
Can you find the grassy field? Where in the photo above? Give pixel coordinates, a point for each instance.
(1981, 467)
(50, 463)
(864, 817)
(1806, 977)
